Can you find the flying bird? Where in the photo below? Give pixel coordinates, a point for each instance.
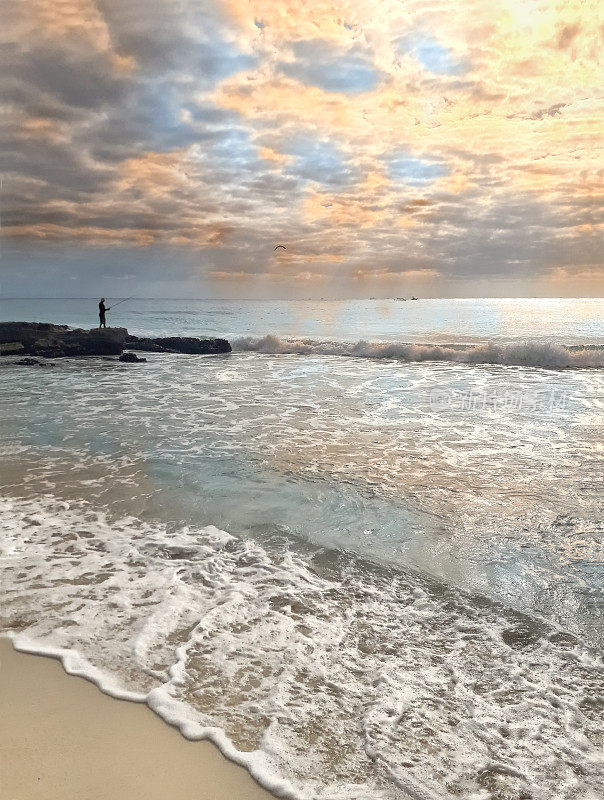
(280, 245)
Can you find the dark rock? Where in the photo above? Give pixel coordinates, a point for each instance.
(131, 358)
(10, 348)
(178, 344)
(524, 633)
(32, 362)
(145, 345)
(56, 341)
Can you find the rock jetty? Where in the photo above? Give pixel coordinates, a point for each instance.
(56, 341)
(46, 340)
(178, 344)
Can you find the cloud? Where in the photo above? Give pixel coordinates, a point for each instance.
(432, 55)
(317, 62)
(566, 35)
(376, 139)
(316, 160)
(414, 171)
(389, 276)
(552, 111)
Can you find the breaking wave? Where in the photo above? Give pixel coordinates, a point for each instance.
(326, 678)
(524, 354)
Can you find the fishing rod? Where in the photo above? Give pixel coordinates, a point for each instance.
(121, 301)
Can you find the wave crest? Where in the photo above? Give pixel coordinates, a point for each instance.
(523, 354)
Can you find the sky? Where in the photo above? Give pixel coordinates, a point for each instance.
(427, 147)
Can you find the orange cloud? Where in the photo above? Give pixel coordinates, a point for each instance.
(382, 275)
(154, 174)
(268, 154)
(76, 24)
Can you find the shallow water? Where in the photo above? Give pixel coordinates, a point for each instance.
(377, 578)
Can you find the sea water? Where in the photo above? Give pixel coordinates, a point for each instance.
(362, 553)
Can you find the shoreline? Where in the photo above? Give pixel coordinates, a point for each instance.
(61, 736)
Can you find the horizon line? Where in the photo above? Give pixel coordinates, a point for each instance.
(315, 299)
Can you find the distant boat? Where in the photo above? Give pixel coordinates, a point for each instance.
(414, 298)
(404, 299)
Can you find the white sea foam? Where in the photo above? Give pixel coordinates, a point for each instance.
(527, 354)
(325, 677)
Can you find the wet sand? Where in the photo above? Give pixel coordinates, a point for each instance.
(60, 737)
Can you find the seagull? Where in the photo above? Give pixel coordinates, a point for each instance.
(280, 245)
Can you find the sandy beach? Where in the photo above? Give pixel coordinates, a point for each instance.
(60, 737)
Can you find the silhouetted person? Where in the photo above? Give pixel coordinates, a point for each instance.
(102, 309)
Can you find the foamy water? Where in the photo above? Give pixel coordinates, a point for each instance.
(362, 573)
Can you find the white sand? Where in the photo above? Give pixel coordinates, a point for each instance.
(63, 739)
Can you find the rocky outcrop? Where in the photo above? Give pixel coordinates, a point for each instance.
(32, 362)
(131, 358)
(57, 341)
(178, 344)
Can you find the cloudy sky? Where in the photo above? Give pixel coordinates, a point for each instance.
(164, 147)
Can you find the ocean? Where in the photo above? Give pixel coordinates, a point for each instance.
(362, 552)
